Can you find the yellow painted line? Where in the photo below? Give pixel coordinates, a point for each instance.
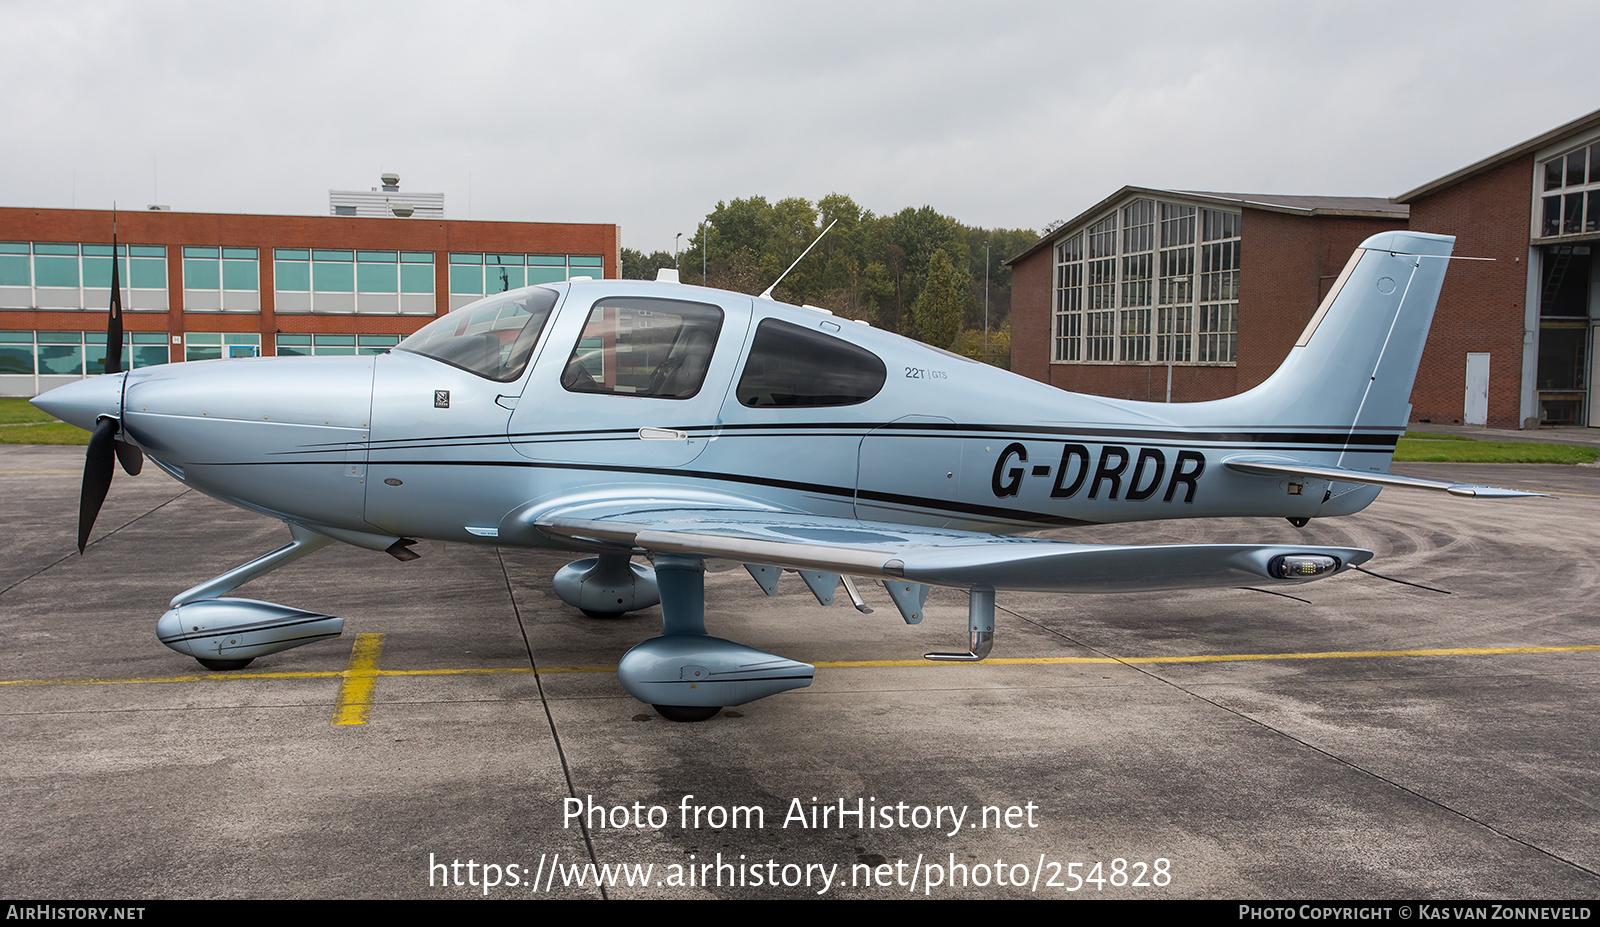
(1220, 658)
(360, 678)
(38, 472)
(374, 673)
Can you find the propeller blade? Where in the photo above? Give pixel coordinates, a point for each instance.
(131, 458)
(97, 469)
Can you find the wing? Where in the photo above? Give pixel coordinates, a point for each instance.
(934, 556)
(1278, 466)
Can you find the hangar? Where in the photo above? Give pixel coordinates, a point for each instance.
(1169, 295)
(198, 286)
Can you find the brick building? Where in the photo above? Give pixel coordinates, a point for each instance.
(1205, 291)
(1212, 289)
(198, 286)
(1512, 343)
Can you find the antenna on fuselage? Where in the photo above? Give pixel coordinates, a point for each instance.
(767, 293)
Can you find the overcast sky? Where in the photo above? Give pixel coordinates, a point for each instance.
(646, 114)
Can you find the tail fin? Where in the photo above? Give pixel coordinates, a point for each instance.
(1353, 369)
(1355, 364)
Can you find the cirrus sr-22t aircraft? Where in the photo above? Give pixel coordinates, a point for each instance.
(614, 418)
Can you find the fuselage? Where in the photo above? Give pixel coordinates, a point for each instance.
(650, 390)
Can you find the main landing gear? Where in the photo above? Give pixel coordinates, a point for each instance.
(685, 674)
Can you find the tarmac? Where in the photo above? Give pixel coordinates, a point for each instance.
(1360, 739)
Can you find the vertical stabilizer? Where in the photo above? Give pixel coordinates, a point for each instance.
(1356, 361)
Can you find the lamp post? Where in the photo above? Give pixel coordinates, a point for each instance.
(703, 253)
(986, 301)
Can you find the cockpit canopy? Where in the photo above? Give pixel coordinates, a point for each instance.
(492, 338)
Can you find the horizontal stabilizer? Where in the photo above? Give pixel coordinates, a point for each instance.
(1282, 467)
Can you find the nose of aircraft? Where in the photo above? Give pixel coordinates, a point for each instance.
(83, 402)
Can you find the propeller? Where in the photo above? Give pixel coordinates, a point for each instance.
(105, 445)
(107, 442)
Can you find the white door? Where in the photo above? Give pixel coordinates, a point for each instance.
(1477, 402)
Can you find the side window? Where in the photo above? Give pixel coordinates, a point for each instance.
(658, 348)
(797, 367)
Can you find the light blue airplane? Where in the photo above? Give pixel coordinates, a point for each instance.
(615, 418)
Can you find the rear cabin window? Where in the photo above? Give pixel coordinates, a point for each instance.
(796, 367)
(656, 348)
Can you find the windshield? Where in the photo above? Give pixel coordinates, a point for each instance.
(492, 338)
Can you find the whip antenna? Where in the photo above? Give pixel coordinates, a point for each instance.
(767, 293)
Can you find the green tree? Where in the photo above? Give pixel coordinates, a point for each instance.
(636, 265)
(937, 310)
(868, 267)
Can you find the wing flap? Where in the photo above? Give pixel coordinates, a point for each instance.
(939, 557)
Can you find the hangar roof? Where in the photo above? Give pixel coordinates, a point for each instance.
(1293, 204)
(1493, 161)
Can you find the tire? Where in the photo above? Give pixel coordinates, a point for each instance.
(687, 714)
(224, 665)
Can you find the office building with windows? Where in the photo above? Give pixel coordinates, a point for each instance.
(1212, 289)
(200, 286)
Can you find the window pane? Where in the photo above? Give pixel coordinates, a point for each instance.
(377, 278)
(239, 275)
(493, 338)
(654, 348)
(795, 367)
(16, 358)
(500, 279)
(61, 359)
(14, 270)
(293, 276)
(1576, 163)
(464, 280)
(416, 278)
(148, 274)
(56, 271)
(146, 355)
(329, 277)
(97, 271)
(94, 357)
(201, 274)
